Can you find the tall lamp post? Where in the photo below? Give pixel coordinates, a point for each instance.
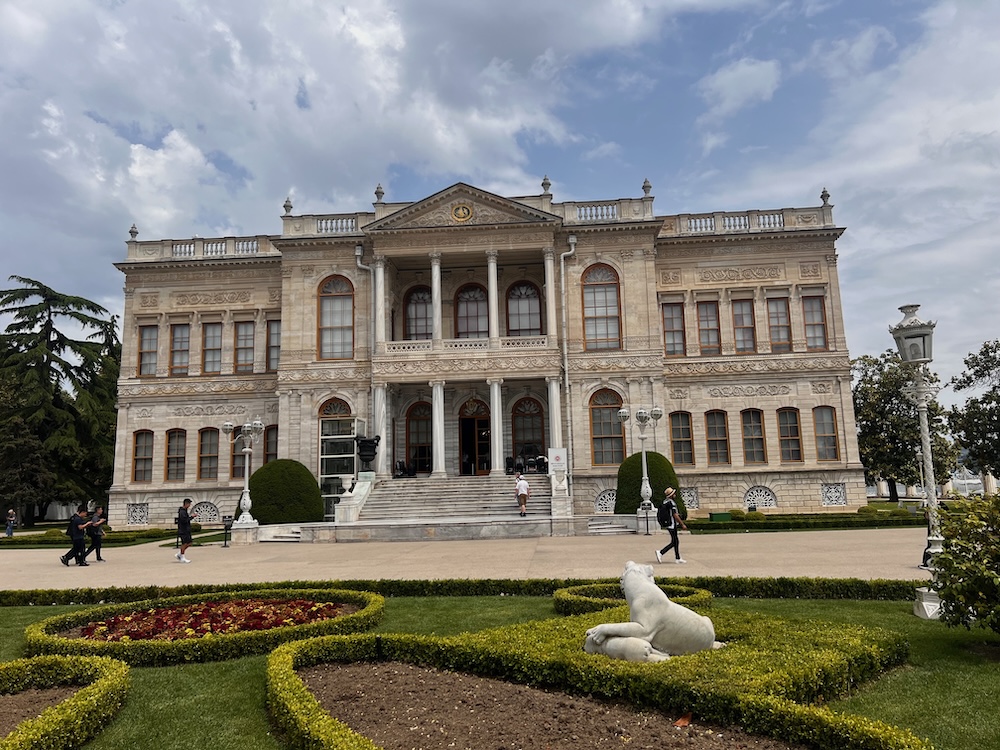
(249, 433)
(642, 417)
(913, 339)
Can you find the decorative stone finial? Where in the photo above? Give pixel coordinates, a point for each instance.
(379, 192)
(546, 185)
(646, 187)
(825, 196)
(133, 231)
(288, 206)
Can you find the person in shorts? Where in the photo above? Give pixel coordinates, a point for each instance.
(522, 491)
(184, 517)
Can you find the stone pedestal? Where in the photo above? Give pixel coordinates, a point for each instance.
(244, 534)
(927, 605)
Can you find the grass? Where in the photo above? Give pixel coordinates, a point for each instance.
(948, 692)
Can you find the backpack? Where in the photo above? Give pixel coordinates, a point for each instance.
(69, 528)
(664, 513)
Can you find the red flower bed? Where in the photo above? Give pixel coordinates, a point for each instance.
(212, 618)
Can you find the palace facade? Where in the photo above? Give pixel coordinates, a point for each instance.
(475, 333)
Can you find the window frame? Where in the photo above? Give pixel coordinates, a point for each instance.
(142, 455)
(679, 441)
(706, 331)
(535, 317)
(815, 329)
(600, 313)
(790, 444)
(273, 356)
(331, 302)
(607, 433)
(148, 345)
(208, 455)
(175, 457)
(418, 315)
(270, 443)
(779, 321)
(717, 438)
(826, 440)
(243, 354)
(741, 326)
(674, 335)
(180, 349)
(211, 344)
(465, 314)
(753, 444)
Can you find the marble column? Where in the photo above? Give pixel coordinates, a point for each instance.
(380, 426)
(436, 300)
(493, 303)
(555, 412)
(551, 326)
(437, 428)
(496, 427)
(379, 292)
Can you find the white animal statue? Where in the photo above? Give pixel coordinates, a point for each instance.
(659, 628)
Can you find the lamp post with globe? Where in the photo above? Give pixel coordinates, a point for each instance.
(642, 419)
(249, 433)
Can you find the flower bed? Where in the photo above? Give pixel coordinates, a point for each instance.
(49, 636)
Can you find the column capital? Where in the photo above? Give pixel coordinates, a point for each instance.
(379, 261)
(494, 381)
(549, 253)
(492, 255)
(435, 257)
(553, 378)
(436, 383)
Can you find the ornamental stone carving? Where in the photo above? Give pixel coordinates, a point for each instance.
(670, 278)
(760, 366)
(740, 273)
(468, 365)
(188, 389)
(807, 219)
(821, 387)
(149, 300)
(809, 271)
(726, 391)
(616, 363)
(690, 497)
(760, 497)
(144, 413)
(834, 494)
(208, 411)
(678, 393)
(202, 299)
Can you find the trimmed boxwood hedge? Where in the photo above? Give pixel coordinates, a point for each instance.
(104, 686)
(771, 685)
(575, 600)
(782, 523)
(42, 637)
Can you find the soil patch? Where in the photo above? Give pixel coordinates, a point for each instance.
(404, 707)
(28, 704)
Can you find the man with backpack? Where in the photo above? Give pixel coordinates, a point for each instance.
(670, 519)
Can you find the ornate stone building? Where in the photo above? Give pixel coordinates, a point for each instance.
(474, 332)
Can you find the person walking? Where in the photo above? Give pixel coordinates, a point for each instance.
(96, 533)
(11, 521)
(522, 491)
(77, 530)
(670, 519)
(184, 517)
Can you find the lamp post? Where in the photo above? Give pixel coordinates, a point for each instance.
(249, 433)
(642, 417)
(913, 339)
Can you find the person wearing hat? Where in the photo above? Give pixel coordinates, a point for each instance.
(670, 519)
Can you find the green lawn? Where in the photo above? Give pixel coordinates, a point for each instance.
(947, 694)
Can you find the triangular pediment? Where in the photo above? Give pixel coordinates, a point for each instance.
(461, 206)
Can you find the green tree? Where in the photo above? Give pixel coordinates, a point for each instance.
(968, 570)
(64, 388)
(976, 425)
(889, 427)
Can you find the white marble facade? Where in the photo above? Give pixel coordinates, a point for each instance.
(467, 328)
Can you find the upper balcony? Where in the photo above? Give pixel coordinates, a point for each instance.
(197, 248)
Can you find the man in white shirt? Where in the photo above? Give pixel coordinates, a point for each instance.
(522, 492)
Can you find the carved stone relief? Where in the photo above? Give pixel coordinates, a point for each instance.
(726, 391)
(201, 299)
(809, 271)
(740, 273)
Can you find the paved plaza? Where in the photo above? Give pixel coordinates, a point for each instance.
(868, 554)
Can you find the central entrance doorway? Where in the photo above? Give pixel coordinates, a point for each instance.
(474, 438)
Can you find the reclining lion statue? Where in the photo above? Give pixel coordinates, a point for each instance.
(659, 628)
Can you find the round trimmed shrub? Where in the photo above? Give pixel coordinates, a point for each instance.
(867, 510)
(737, 514)
(595, 597)
(900, 513)
(661, 476)
(285, 491)
(754, 515)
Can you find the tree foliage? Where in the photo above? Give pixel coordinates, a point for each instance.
(968, 570)
(661, 475)
(976, 425)
(889, 426)
(60, 390)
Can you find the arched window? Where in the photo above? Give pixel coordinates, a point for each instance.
(208, 453)
(418, 314)
(717, 436)
(336, 446)
(681, 440)
(754, 447)
(789, 435)
(336, 319)
(419, 439)
(472, 313)
(528, 429)
(176, 449)
(827, 444)
(524, 310)
(601, 310)
(142, 456)
(607, 435)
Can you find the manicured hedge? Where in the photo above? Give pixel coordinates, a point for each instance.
(575, 600)
(104, 685)
(42, 637)
(779, 523)
(770, 678)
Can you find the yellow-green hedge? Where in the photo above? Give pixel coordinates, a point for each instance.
(104, 686)
(575, 600)
(42, 637)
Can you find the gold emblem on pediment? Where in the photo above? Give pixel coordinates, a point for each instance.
(461, 212)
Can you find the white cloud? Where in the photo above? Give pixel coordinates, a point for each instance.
(738, 85)
(607, 150)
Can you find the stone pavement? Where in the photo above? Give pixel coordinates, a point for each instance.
(869, 553)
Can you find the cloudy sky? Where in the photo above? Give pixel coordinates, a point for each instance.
(199, 118)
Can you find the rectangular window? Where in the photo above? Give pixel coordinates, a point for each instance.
(779, 325)
(744, 332)
(681, 440)
(175, 455)
(237, 458)
(211, 348)
(673, 329)
(142, 457)
(180, 348)
(607, 434)
(789, 435)
(708, 328)
(717, 434)
(337, 451)
(271, 443)
(814, 313)
(753, 436)
(273, 345)
(244, 331)
(827, 444)
(208, 454)
(147, 350)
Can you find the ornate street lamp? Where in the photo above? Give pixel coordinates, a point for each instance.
(249, 433)
(913, 339)
(642, 417)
